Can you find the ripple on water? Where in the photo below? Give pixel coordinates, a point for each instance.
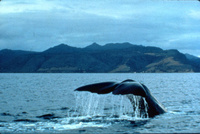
(53, 94)
(62, 124)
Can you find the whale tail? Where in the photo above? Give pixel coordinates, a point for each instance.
(125, 88)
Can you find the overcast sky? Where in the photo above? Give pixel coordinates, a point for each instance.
(39, 24)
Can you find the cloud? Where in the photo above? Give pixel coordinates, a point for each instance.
(195, 14)
(40, 24)
(187, 41)
(19, 6)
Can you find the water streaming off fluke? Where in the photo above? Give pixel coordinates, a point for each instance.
(109, 105)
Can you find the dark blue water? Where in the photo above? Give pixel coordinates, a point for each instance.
(47, 103)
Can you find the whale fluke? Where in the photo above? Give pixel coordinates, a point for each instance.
(124, 88)
(99, 88)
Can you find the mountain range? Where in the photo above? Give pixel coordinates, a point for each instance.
(109, 58)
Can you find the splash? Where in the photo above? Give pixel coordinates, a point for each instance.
(109, 105)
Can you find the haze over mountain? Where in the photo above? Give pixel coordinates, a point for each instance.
(110, 58)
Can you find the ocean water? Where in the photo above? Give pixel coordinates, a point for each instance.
(32, 103)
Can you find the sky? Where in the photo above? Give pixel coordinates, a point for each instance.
(40, 24)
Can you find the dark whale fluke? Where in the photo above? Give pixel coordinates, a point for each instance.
(124, 88)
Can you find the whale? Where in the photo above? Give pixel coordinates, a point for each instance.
(127, 87)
